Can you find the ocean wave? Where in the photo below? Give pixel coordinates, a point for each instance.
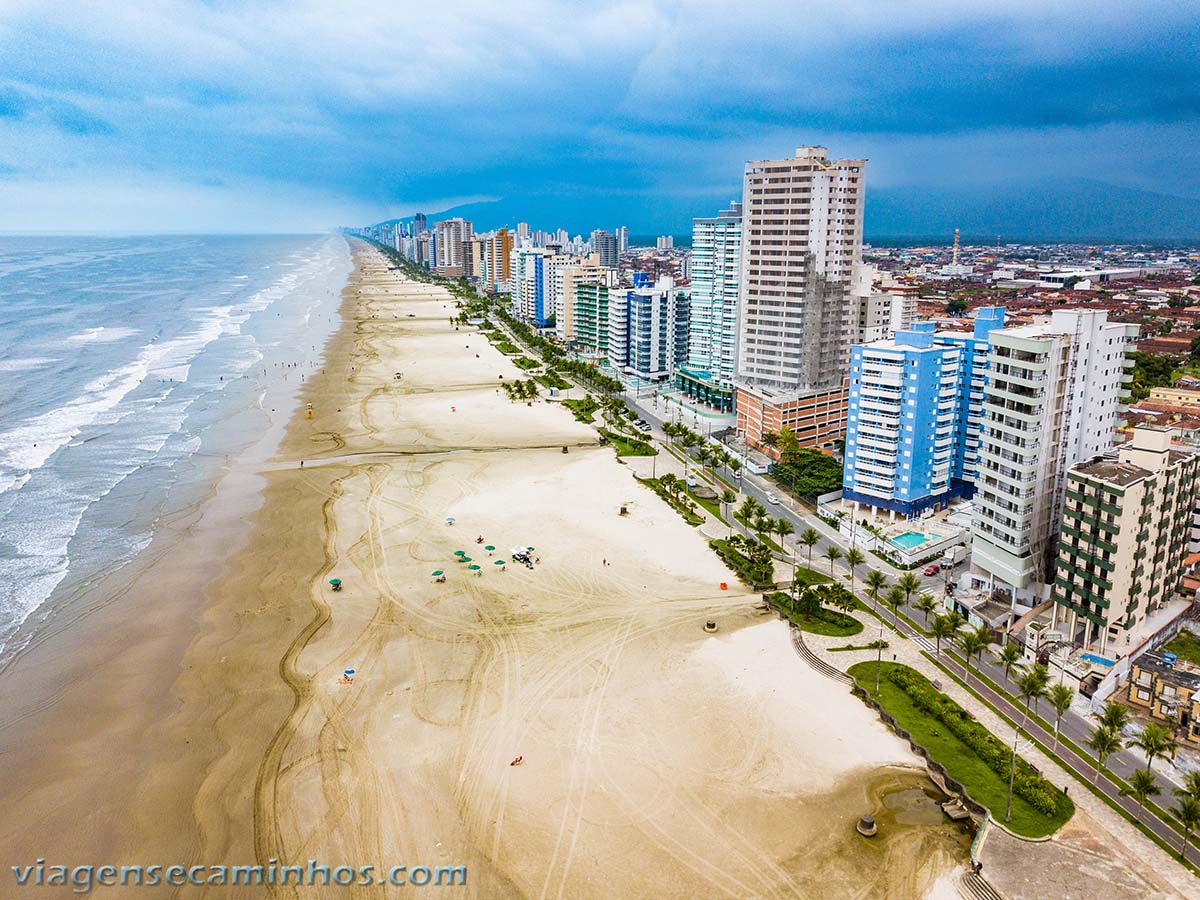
(102, 335)
(26, 364)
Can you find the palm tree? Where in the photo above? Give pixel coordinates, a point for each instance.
(833, 554)
(783, 528)
(727, 498)
(925, 604)
(1187, 811)
(1009, 656)
(854, 558)
(1115, 716)
(770, 439)
(1142, 786)
(1154, 741)
(908, 583)
(972, 644)
(874, 580)
(1031, 687)
(809, 538)
(1104, 742)
(1060, 697)
(943, 627)
(1191, 785)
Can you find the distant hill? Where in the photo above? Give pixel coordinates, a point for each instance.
(1053, 209)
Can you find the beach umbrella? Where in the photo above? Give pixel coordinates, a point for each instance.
(464, 559)
(489, 548)
(460, 552)
(335, 581)
(474, 568)
(436, 572)
(450, 520)
(349, 671)
(498, 562)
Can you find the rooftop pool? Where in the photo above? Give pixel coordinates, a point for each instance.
(909, 540)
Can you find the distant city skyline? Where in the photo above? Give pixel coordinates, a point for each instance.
(237, 117)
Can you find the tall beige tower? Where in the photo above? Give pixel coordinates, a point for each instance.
(802, 221)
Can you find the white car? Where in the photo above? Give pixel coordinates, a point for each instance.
(773, 499)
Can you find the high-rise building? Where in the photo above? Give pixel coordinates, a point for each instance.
(712, 330)
(418, 224)
(522, 233)
(568, 278)
(451, 236)
(647, 329)
(622, 238)
(801, 244)
(590, 312)
(664, 242)
(605, 245)
(1126, 525)
(1050, 401)
(916, 401)
(900, 433)
(497, 260)
(529, 285)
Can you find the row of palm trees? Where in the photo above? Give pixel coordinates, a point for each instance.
(704, 451)
(521, 390)
(1156, 742)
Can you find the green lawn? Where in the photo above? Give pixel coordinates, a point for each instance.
(551, 380)
(964, 765)
(655, 485)
(827, 622)
(507, 347)
(524, 362)
(627, 446)
(809, 576)
(583, 409)
(1186, 646)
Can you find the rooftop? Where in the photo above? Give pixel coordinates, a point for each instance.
(1181, 673)
(1114, 472)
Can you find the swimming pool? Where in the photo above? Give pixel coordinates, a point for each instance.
(909, 540)
(1098, 660)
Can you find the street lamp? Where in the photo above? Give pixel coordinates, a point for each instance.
(1012, 772)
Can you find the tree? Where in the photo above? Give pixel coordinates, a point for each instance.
(874, 580)
(943, 627)
(1191, 784)
(1009, 656)
(1104, 742)
(833, 554)
(956, 306)
(1154, 741)
(1115, 716)
(854, 559)
(972, 644)
(893, 598)
(1142, 786)
(809, 538)
(1060, 697)
(1187, 811)
(770, 439)
(1031, 686)
(783, 527)
(925, 604)
(908, 582)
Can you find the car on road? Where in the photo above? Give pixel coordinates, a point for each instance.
(773, 498)
(643, 425)
(932, 569)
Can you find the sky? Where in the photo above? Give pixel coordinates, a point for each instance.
(180, 115)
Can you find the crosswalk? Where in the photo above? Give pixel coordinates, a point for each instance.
(924, 643)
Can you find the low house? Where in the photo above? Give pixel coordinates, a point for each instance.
(1168, 689)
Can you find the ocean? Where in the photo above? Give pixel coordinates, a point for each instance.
(123, 362)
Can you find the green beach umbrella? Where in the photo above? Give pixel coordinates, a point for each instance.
(489, 548)
(335, 581)
(498, 562)
(437, 572)
(464, 559)
(473, 567)
(460, 552)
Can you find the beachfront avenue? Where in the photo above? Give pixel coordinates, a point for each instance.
(83, 879)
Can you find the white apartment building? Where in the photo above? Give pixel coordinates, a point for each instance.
(564, 291)
(451, 237)
(715, 268)
(647, 328)
(802, 222)
(1050, 401)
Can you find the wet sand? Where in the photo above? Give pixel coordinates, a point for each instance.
(658, 761)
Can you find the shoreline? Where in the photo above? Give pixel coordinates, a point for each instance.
(598, 674)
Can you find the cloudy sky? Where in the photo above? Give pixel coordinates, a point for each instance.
(226, 115)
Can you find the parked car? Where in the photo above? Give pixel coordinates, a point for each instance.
(773, 498)
(932, 569)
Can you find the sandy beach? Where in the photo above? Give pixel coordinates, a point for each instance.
(658, 760)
